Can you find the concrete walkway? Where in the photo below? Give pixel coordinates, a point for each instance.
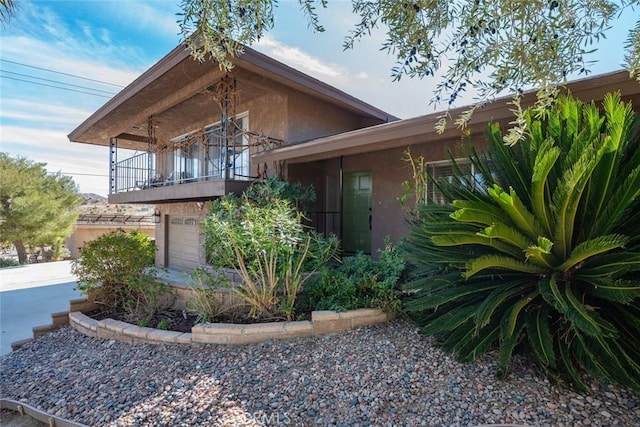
(30, 293)
(28, 296)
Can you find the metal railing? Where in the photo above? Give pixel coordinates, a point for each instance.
(139, 172)
(134, 173)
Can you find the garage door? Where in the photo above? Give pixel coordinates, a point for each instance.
(184, 242)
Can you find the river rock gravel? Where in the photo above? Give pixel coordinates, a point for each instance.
(384, 375)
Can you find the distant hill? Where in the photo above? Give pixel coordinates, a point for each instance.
(96, 204)
(91, 197)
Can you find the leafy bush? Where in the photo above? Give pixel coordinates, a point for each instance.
(264, 240)
(116, 270)
(359, 281)
(265, 192)
(8, 262)
(541, 249)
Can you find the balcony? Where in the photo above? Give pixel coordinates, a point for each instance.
(179, 175)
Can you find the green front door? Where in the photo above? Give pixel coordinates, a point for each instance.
(356, 214)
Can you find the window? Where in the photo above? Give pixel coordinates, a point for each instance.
(444, 170)
(212, 154)
(186, 163)
(227, 156)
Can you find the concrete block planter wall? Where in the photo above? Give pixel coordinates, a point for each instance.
(322, 322)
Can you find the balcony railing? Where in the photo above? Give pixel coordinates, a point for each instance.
(133, 173)
(141, 172)
(199, 156)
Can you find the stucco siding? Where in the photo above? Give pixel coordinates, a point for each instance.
(84, 233)
(388, 171)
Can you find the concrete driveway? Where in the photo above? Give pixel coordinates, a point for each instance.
(28, 296)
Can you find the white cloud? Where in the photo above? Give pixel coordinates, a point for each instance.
(157, 16)
(299, 59)
(23, 110)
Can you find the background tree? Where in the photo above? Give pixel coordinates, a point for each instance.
(492, 46)
(36, 208)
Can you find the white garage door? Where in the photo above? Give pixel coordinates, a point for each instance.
(183, 242)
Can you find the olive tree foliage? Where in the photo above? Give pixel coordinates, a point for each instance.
(36, 208)
(7, 9)
(494, 46)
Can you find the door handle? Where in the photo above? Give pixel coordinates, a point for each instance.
(369, 222)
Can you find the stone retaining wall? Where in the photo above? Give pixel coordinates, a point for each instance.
(322, 322)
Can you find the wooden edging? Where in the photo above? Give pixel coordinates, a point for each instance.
(322, 322)
(24, 409)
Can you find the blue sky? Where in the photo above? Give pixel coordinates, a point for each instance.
(114, 41)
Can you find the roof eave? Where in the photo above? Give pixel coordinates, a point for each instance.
(419, 129)
(250, 60)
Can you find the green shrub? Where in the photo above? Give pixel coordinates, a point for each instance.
(264, 240)
(8, 262)
(265, 192)
(116, 270)
(542, 249)
(163, 324)
(359, 281)
(204, 301)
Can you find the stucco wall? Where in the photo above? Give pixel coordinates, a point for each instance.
(388, 171)
(87, 232)
(311, 118)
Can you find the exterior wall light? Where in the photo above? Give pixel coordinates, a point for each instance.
(155, 218)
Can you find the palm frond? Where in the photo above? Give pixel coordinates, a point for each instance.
(517, 211)
(540, 337)
(591, 248)
(499, 262)
(509, 338)
(586, 321)
(620, 291)
(497, 298)
(540, 194)
(541, 254)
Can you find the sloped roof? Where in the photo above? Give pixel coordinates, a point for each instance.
(421, 129)
(177, 76)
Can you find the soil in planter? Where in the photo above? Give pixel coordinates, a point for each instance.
(170, 320)
(180, 321)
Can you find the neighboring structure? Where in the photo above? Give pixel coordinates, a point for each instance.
(199, 133)
(90, 226)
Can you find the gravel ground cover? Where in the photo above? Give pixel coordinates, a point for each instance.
(376, 376)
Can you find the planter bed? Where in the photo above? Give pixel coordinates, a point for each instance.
(322, 322)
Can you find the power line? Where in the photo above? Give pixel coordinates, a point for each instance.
(60, 72)
(77, 173)
(56, 87)
(57, 82)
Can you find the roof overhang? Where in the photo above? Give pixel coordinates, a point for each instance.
(422, 129)
(178, 77)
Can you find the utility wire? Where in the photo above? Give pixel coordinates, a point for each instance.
(83, 174)
(59, 72)
(56, 87)
(57, 82)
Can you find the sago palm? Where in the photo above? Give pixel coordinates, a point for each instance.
(540, 248)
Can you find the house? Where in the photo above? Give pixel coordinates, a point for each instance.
(186, 132)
